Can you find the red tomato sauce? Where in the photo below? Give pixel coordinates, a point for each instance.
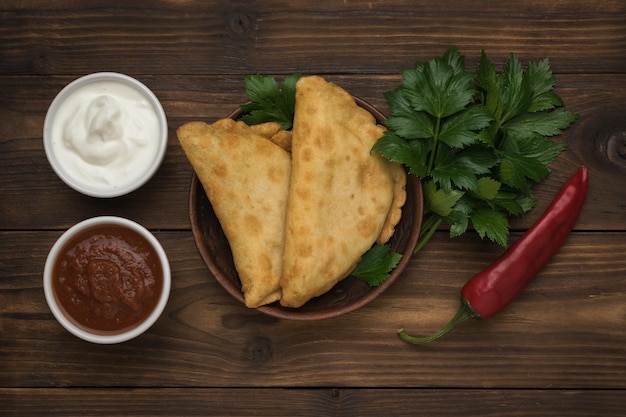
(107, 279)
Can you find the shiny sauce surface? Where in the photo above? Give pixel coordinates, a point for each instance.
(107, 279)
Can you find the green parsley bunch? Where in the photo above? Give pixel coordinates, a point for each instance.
(477, 140)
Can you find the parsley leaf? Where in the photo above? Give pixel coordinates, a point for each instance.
(438, 200)
(268, 102)
(479, 140)
(460, 130)
(487, 188)
(409, 153)
(492, 224)
(376, 264)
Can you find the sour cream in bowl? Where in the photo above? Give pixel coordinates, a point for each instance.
(105, 134)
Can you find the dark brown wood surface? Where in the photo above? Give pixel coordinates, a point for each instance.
(559, 350)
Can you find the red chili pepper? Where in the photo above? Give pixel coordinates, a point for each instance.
(494, 288)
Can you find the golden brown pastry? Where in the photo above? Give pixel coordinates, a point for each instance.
(246, 178)
(341, 194)
(399, 198)
(274, 132)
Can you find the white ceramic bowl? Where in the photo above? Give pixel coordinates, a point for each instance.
(81, 331)
(91, 178)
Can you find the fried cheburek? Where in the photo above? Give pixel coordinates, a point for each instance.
(323, 205)
(342, 197)
(246, 178)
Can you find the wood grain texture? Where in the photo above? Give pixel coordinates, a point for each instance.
(565, 331)
(559, 350)
(337, 402)
(172, 37)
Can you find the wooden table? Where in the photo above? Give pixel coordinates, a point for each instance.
(559, 350)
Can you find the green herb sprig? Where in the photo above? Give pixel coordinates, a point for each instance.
(376, 264)
(478, 140)
(268, 101)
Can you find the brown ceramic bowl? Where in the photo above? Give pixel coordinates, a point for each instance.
(347, 296)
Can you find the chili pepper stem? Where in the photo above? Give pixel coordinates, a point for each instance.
(463, 314)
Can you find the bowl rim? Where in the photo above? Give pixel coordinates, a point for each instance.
(52, 301)
(296, 314)
(75, 183)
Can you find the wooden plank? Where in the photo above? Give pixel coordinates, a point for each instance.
(31, 190)
(311, 402)
(564, 332)
(75, 37)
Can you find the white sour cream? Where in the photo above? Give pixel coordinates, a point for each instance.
(105, 134)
